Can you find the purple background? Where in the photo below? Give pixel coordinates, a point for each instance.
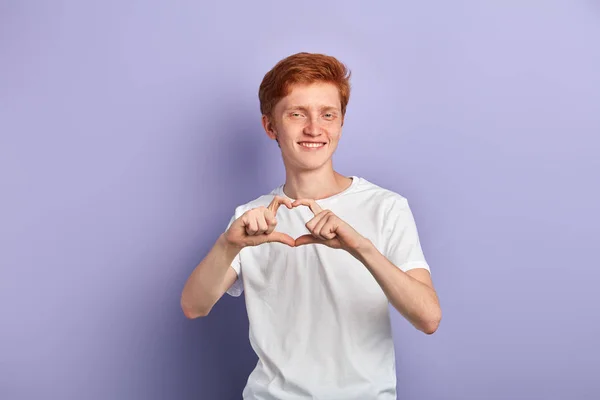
(130, 131)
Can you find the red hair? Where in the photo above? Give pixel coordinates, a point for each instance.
(303, 68)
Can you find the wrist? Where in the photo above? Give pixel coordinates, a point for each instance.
(228, 247)
(362, 249)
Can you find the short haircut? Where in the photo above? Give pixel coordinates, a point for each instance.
(303, 68)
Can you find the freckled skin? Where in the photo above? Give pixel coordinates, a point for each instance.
(308, 113)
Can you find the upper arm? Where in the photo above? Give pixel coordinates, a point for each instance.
(230, 278)
(232, 281)
(403, 245)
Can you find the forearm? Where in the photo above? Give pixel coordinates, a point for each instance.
(204, 285)
(416, 301)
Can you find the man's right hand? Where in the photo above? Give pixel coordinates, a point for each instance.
(257, 226)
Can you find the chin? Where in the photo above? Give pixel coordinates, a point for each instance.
(306, 162)
(310, 166)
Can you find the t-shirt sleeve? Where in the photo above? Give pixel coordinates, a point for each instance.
(403, 247)
(238, 286)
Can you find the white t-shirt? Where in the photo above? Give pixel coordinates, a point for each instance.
(319, 321)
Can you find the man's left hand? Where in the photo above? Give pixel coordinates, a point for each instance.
(329, 229)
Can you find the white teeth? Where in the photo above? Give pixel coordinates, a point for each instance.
(312, 144)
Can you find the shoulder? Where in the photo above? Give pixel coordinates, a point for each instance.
(386, 199)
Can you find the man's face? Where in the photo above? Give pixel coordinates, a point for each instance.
(308, 125)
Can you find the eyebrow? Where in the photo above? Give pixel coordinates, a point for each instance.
(305, 108)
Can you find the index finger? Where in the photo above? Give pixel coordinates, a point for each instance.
(277, 201)
(314, 207)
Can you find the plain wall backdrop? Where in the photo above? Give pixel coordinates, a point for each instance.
(130, 130)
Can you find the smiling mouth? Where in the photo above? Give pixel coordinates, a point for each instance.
(311, 145)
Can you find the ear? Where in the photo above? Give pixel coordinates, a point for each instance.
(269, 127)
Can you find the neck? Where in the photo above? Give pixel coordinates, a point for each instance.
(314, 184)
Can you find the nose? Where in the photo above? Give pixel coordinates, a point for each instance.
(312, 128)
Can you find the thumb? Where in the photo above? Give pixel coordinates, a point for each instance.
(307, 239)
(281, 238)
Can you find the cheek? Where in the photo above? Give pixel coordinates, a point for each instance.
(284, 135)
(335, 134)
(286, 128)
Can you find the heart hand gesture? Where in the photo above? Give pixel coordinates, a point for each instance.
(328, 229)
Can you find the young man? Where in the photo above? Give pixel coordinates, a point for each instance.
(318, 274)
